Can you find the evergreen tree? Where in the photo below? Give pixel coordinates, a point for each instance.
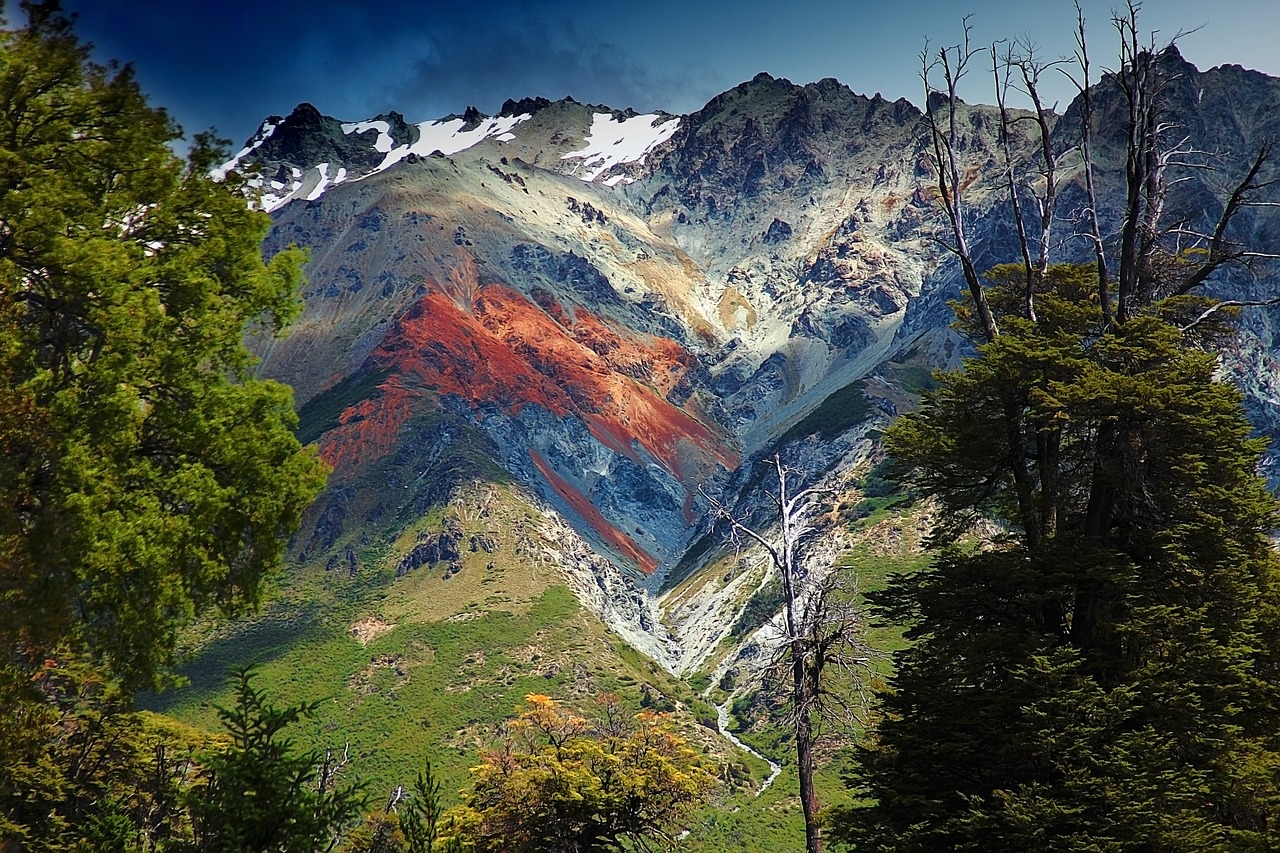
(262, 794)
(148, 476)
(421, 818)
(1102, 675)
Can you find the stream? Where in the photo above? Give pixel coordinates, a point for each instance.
(722, 723)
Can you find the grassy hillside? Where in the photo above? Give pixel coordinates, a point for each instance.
(427, 664)
(410, 662)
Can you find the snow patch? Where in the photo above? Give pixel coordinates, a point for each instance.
(613, 142)
(264, 133)
(322, 184)
(383, 143)
(449, 137)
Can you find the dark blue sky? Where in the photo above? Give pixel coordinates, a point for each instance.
(229, 64)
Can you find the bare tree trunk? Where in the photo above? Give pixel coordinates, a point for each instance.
(1086, 153)
(803, 698)
(818, 632)
(1002, 89)
(954, 63)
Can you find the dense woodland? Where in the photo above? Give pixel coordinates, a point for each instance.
(1092, 655)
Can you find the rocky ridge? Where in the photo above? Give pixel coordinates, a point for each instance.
(623, 312)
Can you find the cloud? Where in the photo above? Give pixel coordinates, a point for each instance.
(451, 67)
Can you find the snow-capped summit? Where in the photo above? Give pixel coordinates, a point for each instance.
(305, 154)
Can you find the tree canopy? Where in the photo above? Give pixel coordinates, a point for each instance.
(148, 475)
(1102, 675)
(561, 782)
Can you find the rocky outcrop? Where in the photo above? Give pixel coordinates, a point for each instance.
(442, 547)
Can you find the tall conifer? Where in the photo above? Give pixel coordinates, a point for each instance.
(1110, 683)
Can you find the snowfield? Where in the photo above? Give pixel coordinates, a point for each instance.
(616, 142)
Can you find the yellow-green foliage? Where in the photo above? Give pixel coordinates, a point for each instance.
(564, 781)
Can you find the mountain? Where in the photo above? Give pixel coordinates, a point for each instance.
(539, 347)
(622, 312)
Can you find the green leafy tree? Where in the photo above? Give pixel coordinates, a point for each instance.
(83, 771)
(380, 833)
(1102, 674)
(148, 475)
(559, 782)
(263, 794)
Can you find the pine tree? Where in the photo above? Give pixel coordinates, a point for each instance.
(263, 794)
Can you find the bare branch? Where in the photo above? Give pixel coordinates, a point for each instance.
(1220, 251)
(953, 62)
(1229, 303)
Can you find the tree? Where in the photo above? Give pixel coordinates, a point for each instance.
(822, 627)
(559, 782)
(262, 794)
(1101, 673)
(412, 822)
(148, 475)
(82, 771)
(422, 818)
(380, 833)
(1109, 683)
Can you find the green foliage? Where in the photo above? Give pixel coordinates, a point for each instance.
(880, 491)
(81, 771)
(380, 833)
(740, 714)
(422, 818)
(148, 476)
(262, 793)
(1103, 676)
(559, 782)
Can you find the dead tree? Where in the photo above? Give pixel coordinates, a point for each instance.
(822, 630)
(1018, 68)
(1084, 85)
(953, 63)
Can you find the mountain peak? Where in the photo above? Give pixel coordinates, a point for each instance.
(524, 106)
(305, 112)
